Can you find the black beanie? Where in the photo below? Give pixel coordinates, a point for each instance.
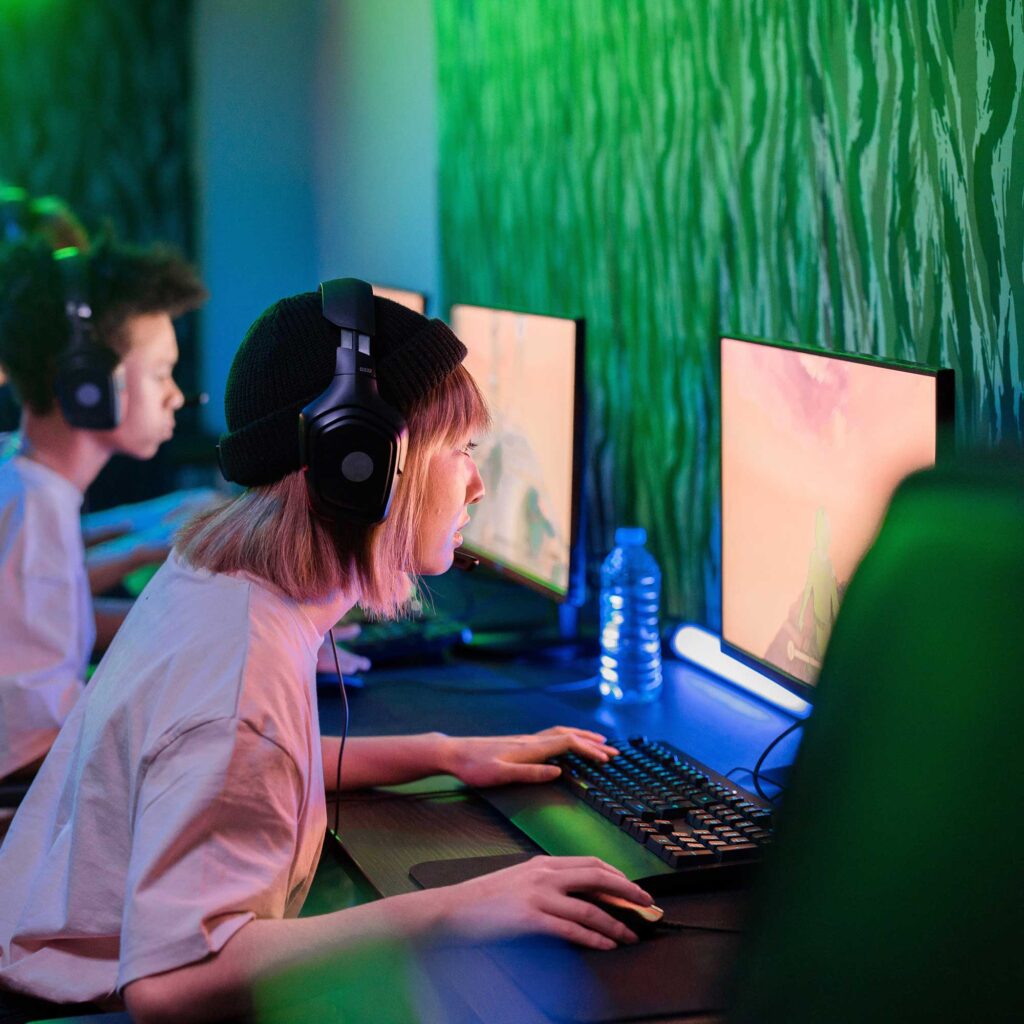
(287, 359)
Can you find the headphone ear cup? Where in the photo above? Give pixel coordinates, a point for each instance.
(353, 453)
(88, 390)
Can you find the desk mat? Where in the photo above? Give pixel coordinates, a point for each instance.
(671, 974)
(385, 833)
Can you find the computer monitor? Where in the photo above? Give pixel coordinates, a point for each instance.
(813, 445)
(530, 370)
(416, 301)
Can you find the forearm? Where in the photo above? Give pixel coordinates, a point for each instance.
(385, 760)
(106, 571)
(109, 612)
(219, 987)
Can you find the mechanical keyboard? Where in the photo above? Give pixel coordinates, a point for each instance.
(669, 822)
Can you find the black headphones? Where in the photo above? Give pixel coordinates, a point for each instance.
(352, 442)
(87, 388)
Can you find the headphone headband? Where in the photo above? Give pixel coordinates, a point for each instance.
(77, 308)
(87, 389)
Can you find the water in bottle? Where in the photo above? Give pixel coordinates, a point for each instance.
(630, 668)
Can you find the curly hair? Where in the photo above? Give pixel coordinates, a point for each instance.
(122, 282)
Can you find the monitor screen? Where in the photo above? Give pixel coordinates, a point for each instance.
(530, 371)
(813, 446)
(416, 301)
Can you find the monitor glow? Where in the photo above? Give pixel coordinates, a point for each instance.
(813, 446)
(526, 366)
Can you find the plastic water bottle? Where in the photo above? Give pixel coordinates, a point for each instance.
(630, 669)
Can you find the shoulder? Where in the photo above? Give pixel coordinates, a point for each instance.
(38, 523)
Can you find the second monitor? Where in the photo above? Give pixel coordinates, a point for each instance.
(813, 445)
(530, 370)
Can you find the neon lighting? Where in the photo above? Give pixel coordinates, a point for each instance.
(704, 649)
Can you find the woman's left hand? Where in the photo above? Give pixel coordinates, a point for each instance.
(497, 760)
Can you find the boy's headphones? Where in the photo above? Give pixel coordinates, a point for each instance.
(86, 386)
(352, 442)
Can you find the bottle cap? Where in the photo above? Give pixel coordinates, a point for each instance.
(630, 536)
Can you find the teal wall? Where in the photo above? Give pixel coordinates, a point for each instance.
(255, 139)
(316, 156)
(843, 174)
(377, 144)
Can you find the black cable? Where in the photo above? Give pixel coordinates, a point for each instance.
(756, 774)
(590, 682)
(344, 733)
(682, 926)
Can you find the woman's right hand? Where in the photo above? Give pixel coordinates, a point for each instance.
(536, 897)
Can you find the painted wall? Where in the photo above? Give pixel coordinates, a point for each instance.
(376, 162)
(95, 102)
(844, 174)
(254, 90)
(316, 155)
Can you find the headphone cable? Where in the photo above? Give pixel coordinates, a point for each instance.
(344, 732)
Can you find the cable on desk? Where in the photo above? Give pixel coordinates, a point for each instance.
(498, 691)
(756, 773)
(682, 926)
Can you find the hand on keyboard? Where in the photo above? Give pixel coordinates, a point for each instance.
(499, 760)
(534, 898)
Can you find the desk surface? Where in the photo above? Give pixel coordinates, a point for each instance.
(716, 723)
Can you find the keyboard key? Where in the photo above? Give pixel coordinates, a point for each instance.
(657, 842)
(738, 851)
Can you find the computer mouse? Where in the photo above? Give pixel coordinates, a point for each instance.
(641, 920)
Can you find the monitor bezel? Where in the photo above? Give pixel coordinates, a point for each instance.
(945, 443)
(576, 586)
(425, 296)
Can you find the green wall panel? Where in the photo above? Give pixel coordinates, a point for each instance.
(848, 175)
(96, 107)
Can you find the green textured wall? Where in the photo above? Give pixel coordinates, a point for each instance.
(846, 174)
(95, 106)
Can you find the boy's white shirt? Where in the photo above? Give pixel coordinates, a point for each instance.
(47, 627)
(183, 797)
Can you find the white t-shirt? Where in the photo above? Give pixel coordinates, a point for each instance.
(47, 628)
(183, 797)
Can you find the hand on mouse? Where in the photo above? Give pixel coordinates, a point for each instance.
(499, 760)
(642, 920)
(540, 896)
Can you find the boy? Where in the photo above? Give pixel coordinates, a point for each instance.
(48, 623)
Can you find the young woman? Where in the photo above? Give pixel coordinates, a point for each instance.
(170, 838)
